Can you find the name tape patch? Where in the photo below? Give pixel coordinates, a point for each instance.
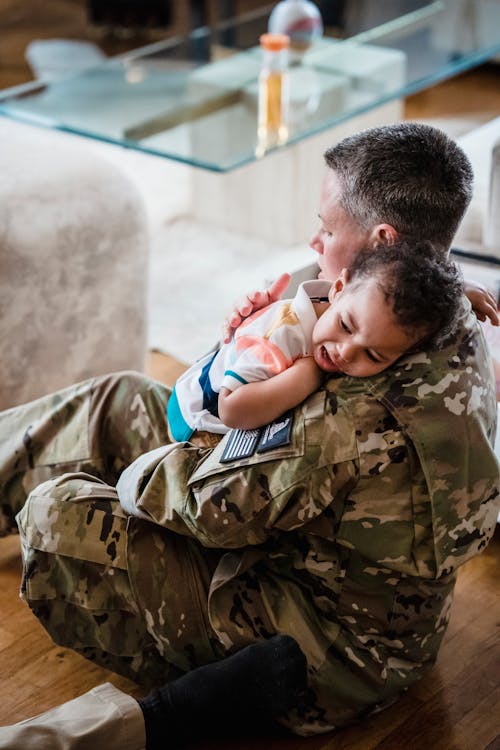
(244, 443)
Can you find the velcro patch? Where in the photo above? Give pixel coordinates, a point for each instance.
(240, 444)
(277, 434)
(244, 443)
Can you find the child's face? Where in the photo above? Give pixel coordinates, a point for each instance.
(358, 335)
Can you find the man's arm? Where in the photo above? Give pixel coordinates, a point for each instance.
(240, 499)
(256, 404)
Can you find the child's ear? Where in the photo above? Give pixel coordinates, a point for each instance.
(338, 285)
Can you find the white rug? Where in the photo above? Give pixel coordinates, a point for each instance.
(197, 272)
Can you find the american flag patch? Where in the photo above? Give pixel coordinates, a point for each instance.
(240, 444)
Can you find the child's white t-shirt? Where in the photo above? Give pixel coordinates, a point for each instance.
(265, 344)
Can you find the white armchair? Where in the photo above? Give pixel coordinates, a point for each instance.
(73, 264)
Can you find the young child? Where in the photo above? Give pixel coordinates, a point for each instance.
(391, 300)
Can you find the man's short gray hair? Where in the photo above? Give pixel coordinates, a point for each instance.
(411, 176)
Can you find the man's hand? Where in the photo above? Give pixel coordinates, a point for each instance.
(483, 301)
(252, 302)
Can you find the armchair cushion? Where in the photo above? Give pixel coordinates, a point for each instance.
(73, 259)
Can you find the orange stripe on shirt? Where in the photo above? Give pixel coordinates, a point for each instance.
(266, 352)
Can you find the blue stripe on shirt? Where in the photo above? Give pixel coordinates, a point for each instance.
(236, 376)
(210, 397)
(179, 428)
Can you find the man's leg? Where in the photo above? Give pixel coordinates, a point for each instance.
(98, 426)
(76, 580)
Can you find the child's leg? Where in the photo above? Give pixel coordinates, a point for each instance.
(98, 426)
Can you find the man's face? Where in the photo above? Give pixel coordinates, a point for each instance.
(339, 237)
(358, 334)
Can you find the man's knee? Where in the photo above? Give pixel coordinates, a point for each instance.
(119, 389)
(76, 515)
(71, 487)
(128, 413)
(132, 379)
(75, 576)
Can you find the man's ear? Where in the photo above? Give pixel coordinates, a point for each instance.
(339, 284)
(384, 234)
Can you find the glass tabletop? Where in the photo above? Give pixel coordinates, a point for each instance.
(195, 99)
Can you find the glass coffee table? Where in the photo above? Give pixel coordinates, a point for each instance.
(194, 100)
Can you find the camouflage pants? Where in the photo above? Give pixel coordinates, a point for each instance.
(66, 451)
(99, 427)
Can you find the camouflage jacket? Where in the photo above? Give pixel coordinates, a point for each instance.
(348, 533)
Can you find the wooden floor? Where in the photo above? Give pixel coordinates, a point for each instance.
(21, 21)
(456, 708)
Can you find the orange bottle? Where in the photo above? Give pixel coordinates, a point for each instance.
(273, 90)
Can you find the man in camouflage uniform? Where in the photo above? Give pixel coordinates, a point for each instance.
(342, 524)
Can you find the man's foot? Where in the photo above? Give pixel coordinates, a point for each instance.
(257, 684)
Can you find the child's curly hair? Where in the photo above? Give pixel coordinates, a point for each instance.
(423, 288)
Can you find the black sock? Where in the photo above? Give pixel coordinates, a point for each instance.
(258, 683)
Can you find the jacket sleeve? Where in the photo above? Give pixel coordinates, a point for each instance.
(242, 501)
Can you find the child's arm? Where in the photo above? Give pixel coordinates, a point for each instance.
(255, 404)
(482, 300)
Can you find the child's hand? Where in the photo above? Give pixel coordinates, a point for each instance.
(252, 302)
(310, 375)
(483, 301)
